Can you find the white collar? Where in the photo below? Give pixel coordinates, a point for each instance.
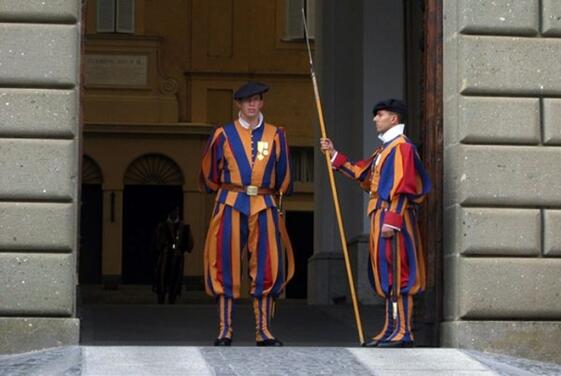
(246, 125)
(393, 132)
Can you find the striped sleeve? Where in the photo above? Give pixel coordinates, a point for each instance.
(283, 178)
(212, 162)
(359, 171)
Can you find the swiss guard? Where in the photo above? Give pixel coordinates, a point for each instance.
(247, 164)
(394, 177)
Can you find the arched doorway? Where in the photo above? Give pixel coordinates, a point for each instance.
(153, 187)
(89, 269)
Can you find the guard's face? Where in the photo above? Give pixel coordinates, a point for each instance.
(250, 107)
(384, 120)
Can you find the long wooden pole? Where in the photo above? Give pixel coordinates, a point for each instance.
(334, 190)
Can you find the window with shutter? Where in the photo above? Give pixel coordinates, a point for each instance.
(302, 164)
(294, 29)
(115, 16)
(105, 16)
(125, 16)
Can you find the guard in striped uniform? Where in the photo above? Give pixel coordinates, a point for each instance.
(247, 164)
(397, 183)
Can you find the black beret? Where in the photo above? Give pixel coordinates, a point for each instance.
(393, 105)
(250, 89)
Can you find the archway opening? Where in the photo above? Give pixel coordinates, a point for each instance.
(153, 188)
(90, 240)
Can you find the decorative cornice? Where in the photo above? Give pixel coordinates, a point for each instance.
(200, 129)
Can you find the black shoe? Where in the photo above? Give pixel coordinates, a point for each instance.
(395, 344)
(224, 341)
(269, 342)
(371, 343)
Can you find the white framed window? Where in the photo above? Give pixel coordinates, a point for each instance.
(294, 28)
(302, 164)
(115, 16)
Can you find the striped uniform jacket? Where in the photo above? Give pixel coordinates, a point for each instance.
(397, 182)
(230, 157)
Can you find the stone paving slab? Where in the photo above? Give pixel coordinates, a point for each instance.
(419, 362)
(140, 361)
(294, 361)
(506, 365)
(60, 361)
(253, 361)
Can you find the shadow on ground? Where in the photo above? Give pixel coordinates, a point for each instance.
(295, 323)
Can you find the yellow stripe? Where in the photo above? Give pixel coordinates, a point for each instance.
(236, 254)
(410, 315)
(386, 323)
(225, 317)
(211, 248)
(235, 175)
(273, 251)
(261, 319)
(402, 323)
(378, 168)
(245, 137)
(398, 241)
(374, 250)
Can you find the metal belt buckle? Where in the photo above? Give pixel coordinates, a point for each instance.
(251, 190)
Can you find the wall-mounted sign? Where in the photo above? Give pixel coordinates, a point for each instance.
(116, 70)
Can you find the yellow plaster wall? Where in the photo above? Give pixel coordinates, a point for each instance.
(114, 153)
(199, 52)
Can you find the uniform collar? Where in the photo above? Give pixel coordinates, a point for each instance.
(393, 132)
(245, 124)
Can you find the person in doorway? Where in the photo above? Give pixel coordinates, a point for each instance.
(397, 183)
(247, 164)
(172, 239)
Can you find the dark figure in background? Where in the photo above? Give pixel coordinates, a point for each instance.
(172, 239)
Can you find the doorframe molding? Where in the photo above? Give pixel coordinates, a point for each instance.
(432, 139)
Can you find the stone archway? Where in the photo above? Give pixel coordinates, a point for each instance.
(153, 187)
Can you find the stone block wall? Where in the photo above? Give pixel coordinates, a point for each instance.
(39, 166)
(502, 131)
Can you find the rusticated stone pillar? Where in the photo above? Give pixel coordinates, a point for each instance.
(39, 154)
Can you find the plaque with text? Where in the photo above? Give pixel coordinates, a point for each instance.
(116, 70)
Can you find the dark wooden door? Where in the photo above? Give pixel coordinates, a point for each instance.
(423, 55)
(432, 154)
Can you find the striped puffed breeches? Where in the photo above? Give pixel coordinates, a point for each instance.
(410, 272)
(229, 233)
